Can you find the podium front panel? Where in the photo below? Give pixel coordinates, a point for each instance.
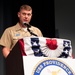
(48, 66)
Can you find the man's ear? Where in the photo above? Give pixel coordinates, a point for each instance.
(18, 14)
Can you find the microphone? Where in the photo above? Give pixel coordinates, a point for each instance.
(28, 26)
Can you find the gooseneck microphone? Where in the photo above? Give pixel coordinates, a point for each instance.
(29, 26)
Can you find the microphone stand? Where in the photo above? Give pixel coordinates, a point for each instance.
(28, 26)
(31, 32)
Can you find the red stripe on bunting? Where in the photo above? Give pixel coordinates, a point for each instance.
(22, 47)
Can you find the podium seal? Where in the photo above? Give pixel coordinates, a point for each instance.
(52, 67)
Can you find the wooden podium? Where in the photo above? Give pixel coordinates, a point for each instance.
(14, 62)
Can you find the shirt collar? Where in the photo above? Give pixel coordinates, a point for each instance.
(18, 27)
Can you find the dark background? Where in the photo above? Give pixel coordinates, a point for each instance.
(43, 18)
(43, 15)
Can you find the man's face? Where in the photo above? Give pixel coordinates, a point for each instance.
(25, 16)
